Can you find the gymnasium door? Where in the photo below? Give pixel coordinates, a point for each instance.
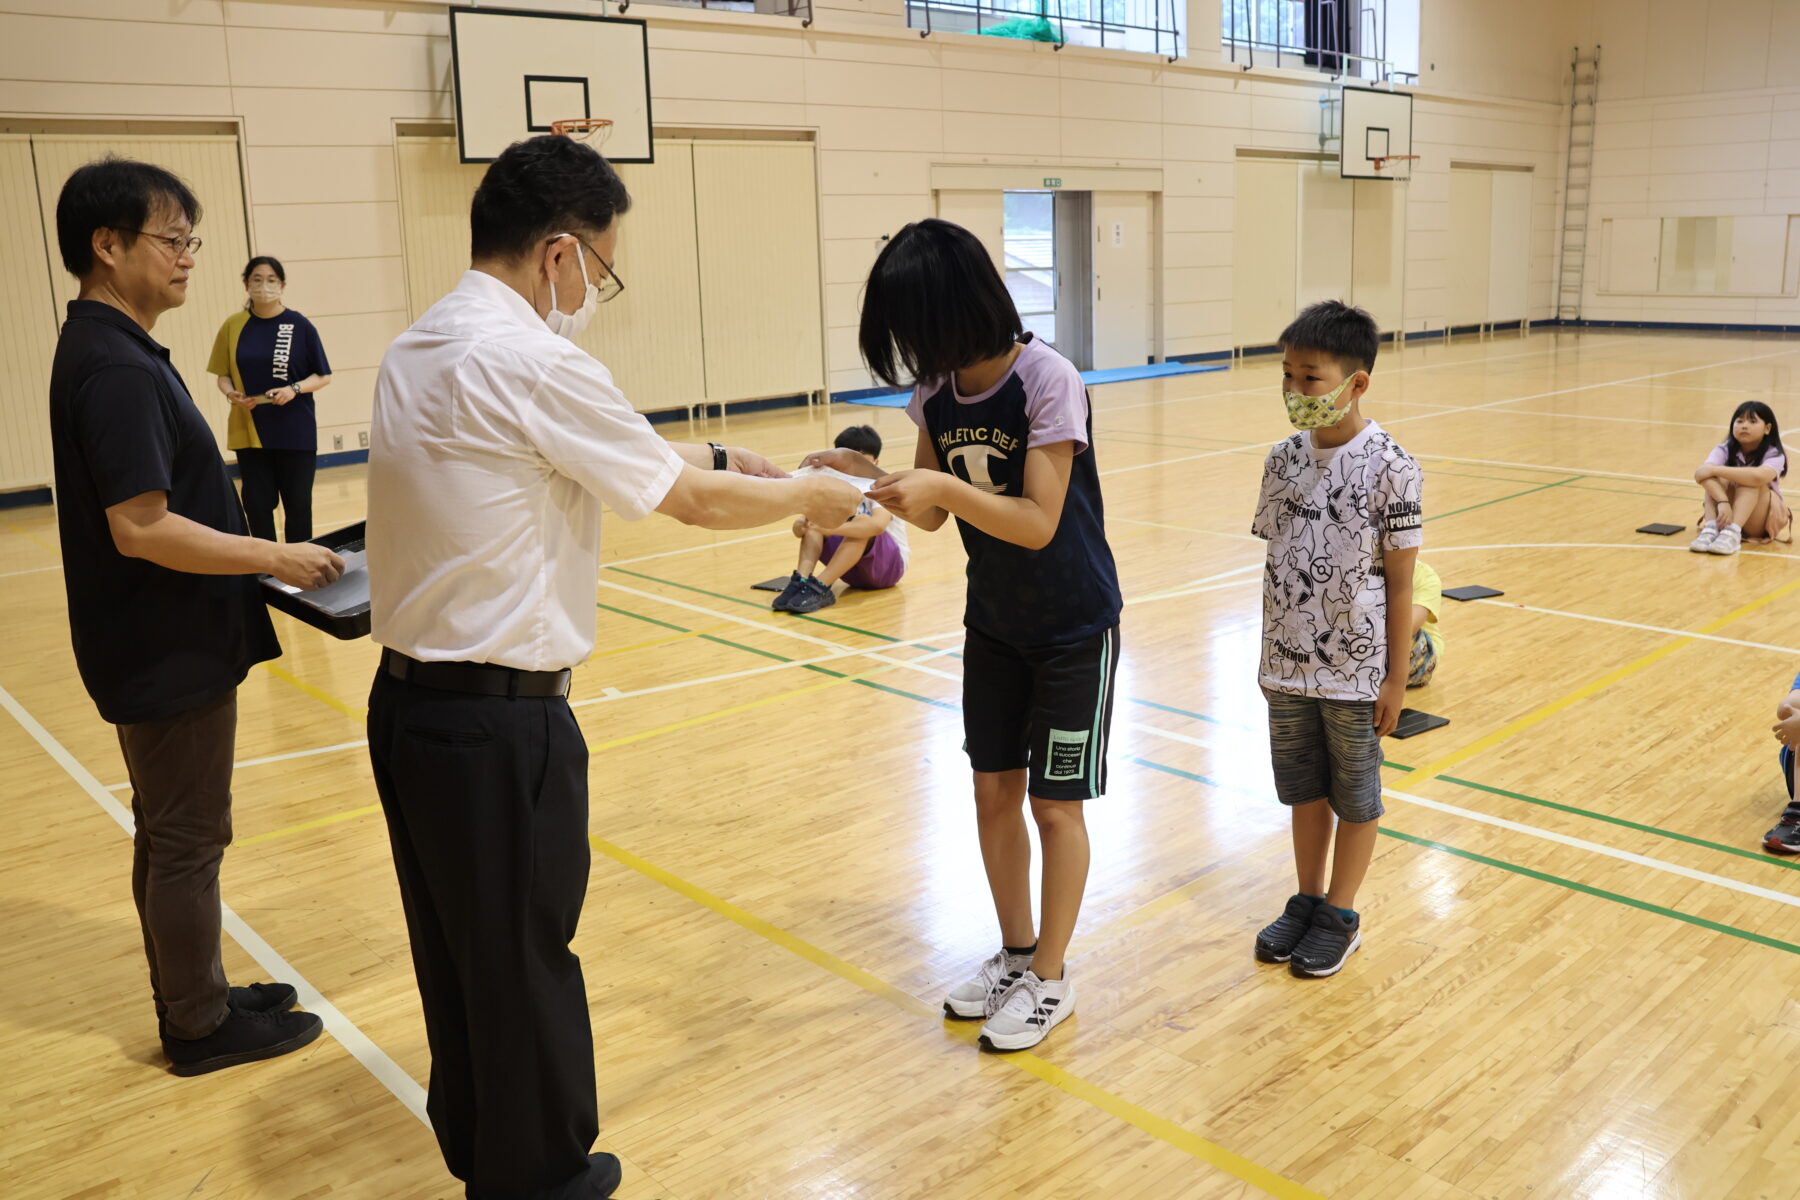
(1124, 279)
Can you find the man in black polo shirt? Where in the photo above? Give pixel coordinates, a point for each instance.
(164, 606)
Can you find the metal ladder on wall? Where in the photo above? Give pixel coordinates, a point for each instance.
(1584, 95)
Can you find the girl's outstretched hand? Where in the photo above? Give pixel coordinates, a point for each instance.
(907, 494)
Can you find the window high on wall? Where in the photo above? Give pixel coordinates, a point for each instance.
(1374, 40)
(1144, 26)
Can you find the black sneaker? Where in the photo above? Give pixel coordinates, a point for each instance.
(1277, 940)
(263, 998)
(245, 1037)
(813, 596)
(794, 587)
(1332, 938)
(1785, 837)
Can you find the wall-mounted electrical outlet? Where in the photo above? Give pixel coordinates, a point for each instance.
(362, 438)
(337, 441)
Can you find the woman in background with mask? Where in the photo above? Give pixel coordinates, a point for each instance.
(269, 362)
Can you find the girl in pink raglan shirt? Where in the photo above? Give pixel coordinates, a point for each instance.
(1742, 482)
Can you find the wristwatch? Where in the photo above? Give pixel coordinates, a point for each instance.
(720, 459)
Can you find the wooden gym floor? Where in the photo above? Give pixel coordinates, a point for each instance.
(1578, 975)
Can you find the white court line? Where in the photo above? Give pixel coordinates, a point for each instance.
(1242, 537)
(1494, 462)
(1437, 550)
(610, 694)
(1790, 651)
(29, 571)
(624, 562)
(1588, 387)
(375, 1060)
(1527, 412)
(1655, 864)
(1257, 391)
(262, 762)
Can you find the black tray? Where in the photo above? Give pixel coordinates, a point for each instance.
(342, 610)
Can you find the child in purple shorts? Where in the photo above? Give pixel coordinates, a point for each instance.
(867, 552)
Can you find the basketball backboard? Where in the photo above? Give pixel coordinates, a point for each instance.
(516, 72)
(1376, 127)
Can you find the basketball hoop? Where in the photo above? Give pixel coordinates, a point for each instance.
(1381, 161)
(592, 130)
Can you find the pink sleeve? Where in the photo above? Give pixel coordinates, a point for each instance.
(1056, 400)
(1717, 457)
(1776, 459)
(915, 408)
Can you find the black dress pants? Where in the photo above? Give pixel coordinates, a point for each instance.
(486, 804)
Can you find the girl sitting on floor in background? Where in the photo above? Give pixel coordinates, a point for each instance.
(1742, 482)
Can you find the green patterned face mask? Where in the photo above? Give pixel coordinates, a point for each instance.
(1315, 412)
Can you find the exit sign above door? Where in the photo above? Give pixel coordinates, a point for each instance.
(1052, 183)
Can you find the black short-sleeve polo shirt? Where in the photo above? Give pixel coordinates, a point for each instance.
(150, 643)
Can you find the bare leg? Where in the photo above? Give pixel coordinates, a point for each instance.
(812, 542)
(849, 553)
(1312, 845)
(1063, 830)
(1355, 847)
(1718, 500)
(1750, 508)
(1006, 850)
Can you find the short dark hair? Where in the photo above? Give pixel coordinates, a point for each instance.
(118, 194)
(538, 188)
(934, 304)
(1345, 332)
(861, 438)
(265, 260)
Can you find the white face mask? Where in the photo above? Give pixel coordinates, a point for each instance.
(265, 291)
(570, 325)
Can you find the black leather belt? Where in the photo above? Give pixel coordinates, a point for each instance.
(481, 679)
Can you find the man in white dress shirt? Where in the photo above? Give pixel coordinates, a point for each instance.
(494, 443)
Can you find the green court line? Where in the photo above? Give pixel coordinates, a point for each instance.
(814, 667)
(1739, 851)
(1640, 827)
(1615, 897)
(688, 587)
(1486, 860)
(1502, 499)
(641, 617)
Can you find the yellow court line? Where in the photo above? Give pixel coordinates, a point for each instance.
(1161, 1128)
(26, 533)
(319, 823)
(320, 694)
(1513, 728)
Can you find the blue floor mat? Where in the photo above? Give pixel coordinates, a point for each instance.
(1114, 375)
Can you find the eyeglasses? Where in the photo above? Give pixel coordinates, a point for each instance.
(176, 245)
(612, 285)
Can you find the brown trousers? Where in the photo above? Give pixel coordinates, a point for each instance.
(180, 772)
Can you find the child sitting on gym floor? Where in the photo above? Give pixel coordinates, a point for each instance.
(1785, 837)
(868, 551)
(1742, 482)
(1427, 640)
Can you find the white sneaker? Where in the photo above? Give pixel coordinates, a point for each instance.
(1709, 533)
(1728, 541)
(982, 996)
(1032, 1009)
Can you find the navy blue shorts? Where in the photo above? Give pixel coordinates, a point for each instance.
(1046, 710)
